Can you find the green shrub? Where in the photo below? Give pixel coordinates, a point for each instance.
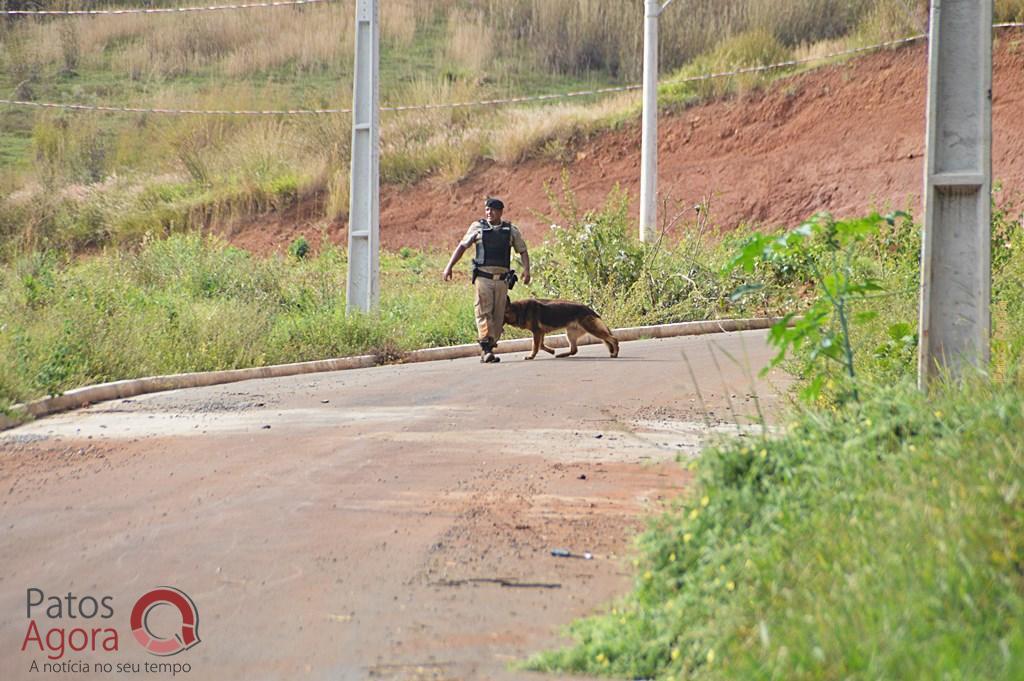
(751, 49)
(191, 303)
(889, 20)
(299, 248)
(824, 254)
(596, 258)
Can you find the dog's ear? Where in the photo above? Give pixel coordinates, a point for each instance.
(508, 301)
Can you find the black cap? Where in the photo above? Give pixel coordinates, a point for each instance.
(494, 203)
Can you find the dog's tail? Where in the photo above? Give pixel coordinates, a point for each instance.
(596, 327)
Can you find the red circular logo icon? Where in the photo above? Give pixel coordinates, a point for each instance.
(185, 639)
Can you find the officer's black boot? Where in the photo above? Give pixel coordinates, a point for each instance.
(487, 356)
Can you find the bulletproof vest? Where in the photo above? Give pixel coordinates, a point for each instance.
(494, 247)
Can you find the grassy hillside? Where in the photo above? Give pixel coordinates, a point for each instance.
(75, 180)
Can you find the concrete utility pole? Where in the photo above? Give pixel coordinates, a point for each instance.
(363, 286)
(956, 277)
(649, 144)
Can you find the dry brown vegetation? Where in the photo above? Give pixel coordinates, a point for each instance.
(224, 168)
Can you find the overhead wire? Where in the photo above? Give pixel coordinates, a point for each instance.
(159, 10)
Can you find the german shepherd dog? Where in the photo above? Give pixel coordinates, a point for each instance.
(544, 316)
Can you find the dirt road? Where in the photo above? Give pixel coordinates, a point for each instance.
(394, 522)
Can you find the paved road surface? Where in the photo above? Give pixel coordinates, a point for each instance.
(394, 522)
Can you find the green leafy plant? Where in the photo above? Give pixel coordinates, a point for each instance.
(897, 351)
(1007, 226)
(595, 257)
(299, 248)
(827, 250)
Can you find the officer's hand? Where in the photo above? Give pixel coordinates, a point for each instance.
(526, 277)
(447, 274)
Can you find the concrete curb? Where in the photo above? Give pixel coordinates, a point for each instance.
(626, 334)
(103, 392)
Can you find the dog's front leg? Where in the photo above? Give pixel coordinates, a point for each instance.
(538, 341)
(543, 345)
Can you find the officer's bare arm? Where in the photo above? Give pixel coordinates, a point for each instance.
(525, 257)
(456, 256)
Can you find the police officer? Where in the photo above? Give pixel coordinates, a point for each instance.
(492, 268)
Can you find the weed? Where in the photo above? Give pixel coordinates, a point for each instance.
(821, 252)
(299, 248)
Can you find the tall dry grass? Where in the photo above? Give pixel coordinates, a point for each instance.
(550, 131)
(1009, 10)
(890, 21)
(398, 20)
(236, 44)
(577, 36)
(566, 36)
(422, 143)
(471, 40)
(753, 48)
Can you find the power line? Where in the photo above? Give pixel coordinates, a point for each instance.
(485, 102)
(176, 112)
(512, 100)
(309, 112)
(158, 10)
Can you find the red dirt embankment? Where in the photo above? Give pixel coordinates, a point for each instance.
(844, 138)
